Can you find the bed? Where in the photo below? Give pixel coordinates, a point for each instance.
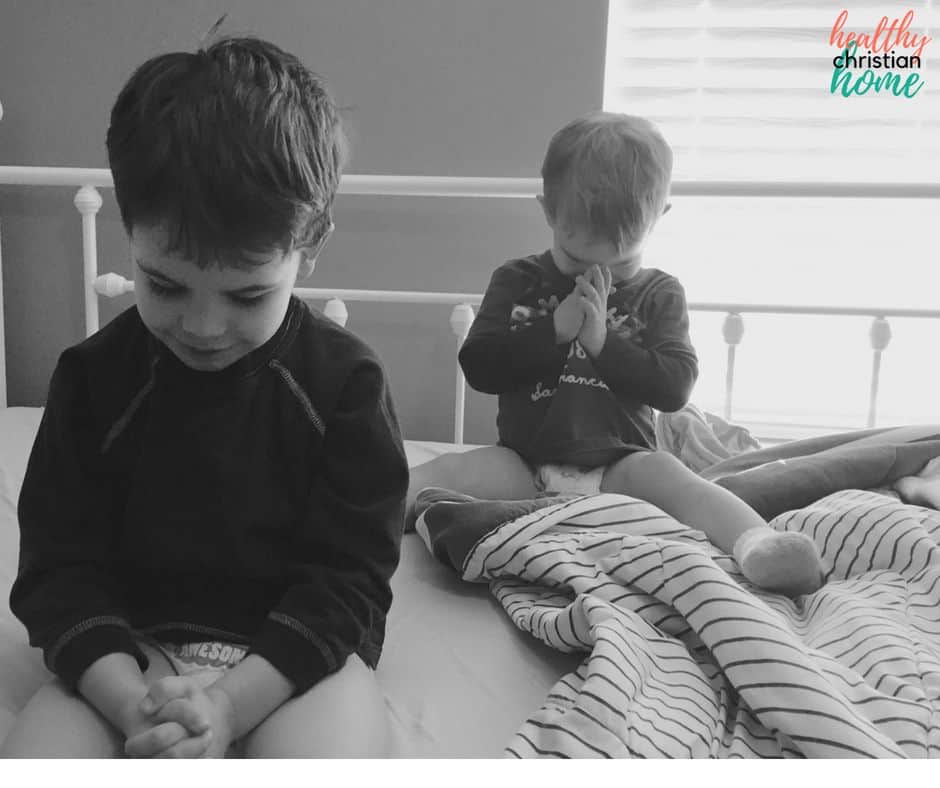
(646, 664)
(463, 678)
(600, 627)
(446, 685)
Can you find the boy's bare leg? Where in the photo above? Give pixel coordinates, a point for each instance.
(924, 488)
(59, 723)
(490, 473)
(787, 562)
(342, 716)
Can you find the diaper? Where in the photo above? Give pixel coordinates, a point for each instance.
(569, 479)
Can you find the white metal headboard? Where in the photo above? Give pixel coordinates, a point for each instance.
(3, 343)
(88, 202)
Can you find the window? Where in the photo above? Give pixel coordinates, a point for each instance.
(742, 90)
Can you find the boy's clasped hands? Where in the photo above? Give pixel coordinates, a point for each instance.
(178, 718)
(582, 315)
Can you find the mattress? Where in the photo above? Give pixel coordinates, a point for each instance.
(600, 626)
(458, 677)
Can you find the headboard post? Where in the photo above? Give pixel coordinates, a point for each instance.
(88, 202)
(3, 347)
(461, 318)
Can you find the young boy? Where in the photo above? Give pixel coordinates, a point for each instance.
(581, 343)
(213, 507)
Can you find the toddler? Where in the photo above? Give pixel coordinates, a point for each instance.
(581, 343)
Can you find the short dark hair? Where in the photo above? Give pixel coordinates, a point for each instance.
(236, 148)
(609, 174)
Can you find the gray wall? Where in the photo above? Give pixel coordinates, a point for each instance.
(432, 87)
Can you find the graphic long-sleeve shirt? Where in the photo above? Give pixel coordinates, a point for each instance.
(261, 504)
(557, 404)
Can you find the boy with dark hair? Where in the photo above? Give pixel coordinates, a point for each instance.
(212, 509)
(581, 343)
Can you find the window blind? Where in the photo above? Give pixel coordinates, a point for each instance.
(742, 88)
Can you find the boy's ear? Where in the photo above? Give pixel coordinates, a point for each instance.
(548, 216)
(307, 264)
(309, 259)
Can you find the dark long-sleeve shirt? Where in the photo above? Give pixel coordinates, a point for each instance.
(556, 404)
(261, 504)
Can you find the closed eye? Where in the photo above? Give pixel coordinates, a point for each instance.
(248, 300)
(163, 290)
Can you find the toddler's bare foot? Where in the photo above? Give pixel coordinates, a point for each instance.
(783, 561)
(924, 488)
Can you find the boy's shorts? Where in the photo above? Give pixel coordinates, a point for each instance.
(204, 662)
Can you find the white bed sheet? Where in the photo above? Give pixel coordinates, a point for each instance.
(459, 678)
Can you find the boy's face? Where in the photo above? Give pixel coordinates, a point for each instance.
(576, 251)
(211, 317)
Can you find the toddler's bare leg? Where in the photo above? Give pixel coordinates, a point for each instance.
(787, 562)
(924, 488)
(491, 473)
(343, 716)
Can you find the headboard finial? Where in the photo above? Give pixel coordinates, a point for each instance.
(88, 200)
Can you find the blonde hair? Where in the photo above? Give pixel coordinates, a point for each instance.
(609, 174)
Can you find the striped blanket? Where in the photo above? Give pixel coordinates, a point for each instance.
(685, 658)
